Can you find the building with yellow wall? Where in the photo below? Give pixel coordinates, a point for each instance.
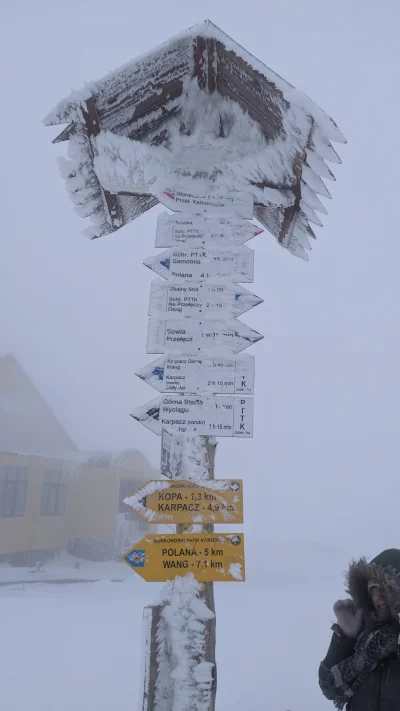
(52, 496)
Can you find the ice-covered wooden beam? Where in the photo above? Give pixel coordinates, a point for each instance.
(205, 62)
(149, 113)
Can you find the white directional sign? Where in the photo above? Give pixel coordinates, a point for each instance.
(213, 416)
(183, 263)
(240, 204)
(194, 231)
(189, 335)
(211, 299)
(195, 373)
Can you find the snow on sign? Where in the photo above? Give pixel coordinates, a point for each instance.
(220, 416)
(211, 299)
(194, 373)
(182, 263)
(209, 556)
(193, 231)
(240, 204)
(182, 501)
(189, 335)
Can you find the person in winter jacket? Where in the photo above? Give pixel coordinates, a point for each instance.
(361, 670)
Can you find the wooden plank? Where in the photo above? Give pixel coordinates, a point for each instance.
(132, 83)
(66, 134)
(270, 218)
(293, 210)
(154, 122)
(150, 658)
(209, 446)
(162, 94)
(228, 85)
(91, 118)
(92, 122)
(132, 206)
(113, 208)
(205, 63)
(211, 628)
(212, 67)
(261, 98)
(135, 92)
(200, 69)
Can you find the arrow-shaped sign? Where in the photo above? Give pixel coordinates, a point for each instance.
(240, 204)
(200, 299)
(190, 334)
(217, 416)
(209, 556)
(194, 373)
(218, 501)
(188, 263)
(194, 231)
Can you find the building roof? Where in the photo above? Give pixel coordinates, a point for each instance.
(27, 422)
(128, 131)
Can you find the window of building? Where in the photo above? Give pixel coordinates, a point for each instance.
(13, 490)
(54, 494)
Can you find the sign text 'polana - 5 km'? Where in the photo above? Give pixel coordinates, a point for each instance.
(211, 557)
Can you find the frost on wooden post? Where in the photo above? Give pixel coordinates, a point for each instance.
(83, 185)
(201, 160)
(182, 643)
(189, 457)
(159, 129)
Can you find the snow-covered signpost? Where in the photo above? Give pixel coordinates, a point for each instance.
(198, 370)
(202, 127)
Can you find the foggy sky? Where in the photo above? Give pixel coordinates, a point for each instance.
(324, 461)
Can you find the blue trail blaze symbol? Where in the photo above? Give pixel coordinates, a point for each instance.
(158, 372)
(136, 558)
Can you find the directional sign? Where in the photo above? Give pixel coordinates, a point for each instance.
(183, 263)
(177, 501)
(240, 204)
(197, 298)
(209, 556)
(190, 334)
(213, 416)
(194, 373)
(180, 229)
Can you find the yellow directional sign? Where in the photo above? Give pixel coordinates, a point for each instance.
(210, 557)
(176, 501)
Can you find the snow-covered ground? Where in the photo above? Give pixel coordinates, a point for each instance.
(77, 646)
(64, 568)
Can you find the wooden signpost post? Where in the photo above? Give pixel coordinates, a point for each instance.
(136, 140)
(206, 392)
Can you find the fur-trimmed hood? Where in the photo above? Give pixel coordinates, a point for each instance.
(383, 570)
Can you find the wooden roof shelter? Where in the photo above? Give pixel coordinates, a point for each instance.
(139, 100)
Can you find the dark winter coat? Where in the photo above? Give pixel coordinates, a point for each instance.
(381, 689)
